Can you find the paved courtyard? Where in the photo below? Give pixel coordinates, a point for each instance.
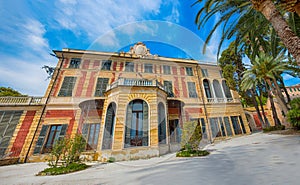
(255, 159)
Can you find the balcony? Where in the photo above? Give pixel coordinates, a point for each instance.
(134, 82)
(9, 100)
(221, 100)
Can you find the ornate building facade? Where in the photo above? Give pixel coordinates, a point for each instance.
(128, 105)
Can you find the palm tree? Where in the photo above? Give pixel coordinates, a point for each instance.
(232, 11)
(264, 68)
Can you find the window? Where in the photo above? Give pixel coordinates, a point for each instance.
(169, 88)
(291, 90)
(226, 89)
(101, 86)
(217, 88)
(215, 131)
(8, 122)
(227, 126)
(148, 68)
(161, 124)
(166, 70)
(236, 125)
(189, 71)
(174, 131)
(242, 124)
(90, 131)
(207, 88)
(75, 63)
(204, 72)
(67, 86)
(109, 126)
(203, 126)
(136, 131)
(106, 64)
(53, 133)
(129, 66)
(192, 90)
(222, 126)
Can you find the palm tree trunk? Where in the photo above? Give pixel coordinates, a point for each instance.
(280, 93)
(256, 107)
(275, 116)
(281, 103)
(285, 90)
(288, 37)
(262, 108)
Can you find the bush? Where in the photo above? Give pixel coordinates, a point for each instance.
(273, 128)
(294, 114)
(72, 167)
(191, 153)
(111, 160)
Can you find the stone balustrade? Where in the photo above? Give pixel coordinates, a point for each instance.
(27, 100)
(221, 100)
(134, 82)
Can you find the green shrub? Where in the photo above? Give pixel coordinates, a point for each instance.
(191, 153)
(72, 167)
(294, 114)
(273, 128)
(111, 160)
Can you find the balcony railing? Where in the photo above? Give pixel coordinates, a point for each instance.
(135, 82)
(10, 100)
(221, 100)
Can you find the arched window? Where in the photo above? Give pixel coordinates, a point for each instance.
(109, 126)
(226, 89)
(136, 131)
(207, 88)
(161, 124)
(217, 88)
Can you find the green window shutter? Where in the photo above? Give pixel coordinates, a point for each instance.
(63, 131)
(192, 90)
(101, 86)
(41, 138)
(67, 86)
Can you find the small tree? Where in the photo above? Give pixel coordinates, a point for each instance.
(294, 114)
(67, 150)
(191, 135)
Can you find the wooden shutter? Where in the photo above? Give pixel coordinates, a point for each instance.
(41, 138)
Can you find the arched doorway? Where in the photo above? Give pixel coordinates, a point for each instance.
(109, 126)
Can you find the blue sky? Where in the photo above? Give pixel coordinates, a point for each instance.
(30, 30)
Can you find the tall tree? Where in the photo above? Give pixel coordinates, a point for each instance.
(232, 11)
(7, 91)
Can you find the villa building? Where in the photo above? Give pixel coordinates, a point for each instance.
(128, 105)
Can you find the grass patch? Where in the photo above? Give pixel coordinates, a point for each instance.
(192, 153)
(274, 128)
(73, 167)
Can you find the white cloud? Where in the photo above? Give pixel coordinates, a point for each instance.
(98, 17)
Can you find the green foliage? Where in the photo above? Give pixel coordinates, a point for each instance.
(7, 91)
(111, 160)
(192, 153)
(274, 128)
(73, 167)
(67, 151)
(191, 135)
(294, 114)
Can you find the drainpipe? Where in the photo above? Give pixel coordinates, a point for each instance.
(44, 106)
(204, 105)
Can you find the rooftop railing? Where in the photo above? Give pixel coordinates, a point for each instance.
(135, 82)
(10, 100)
